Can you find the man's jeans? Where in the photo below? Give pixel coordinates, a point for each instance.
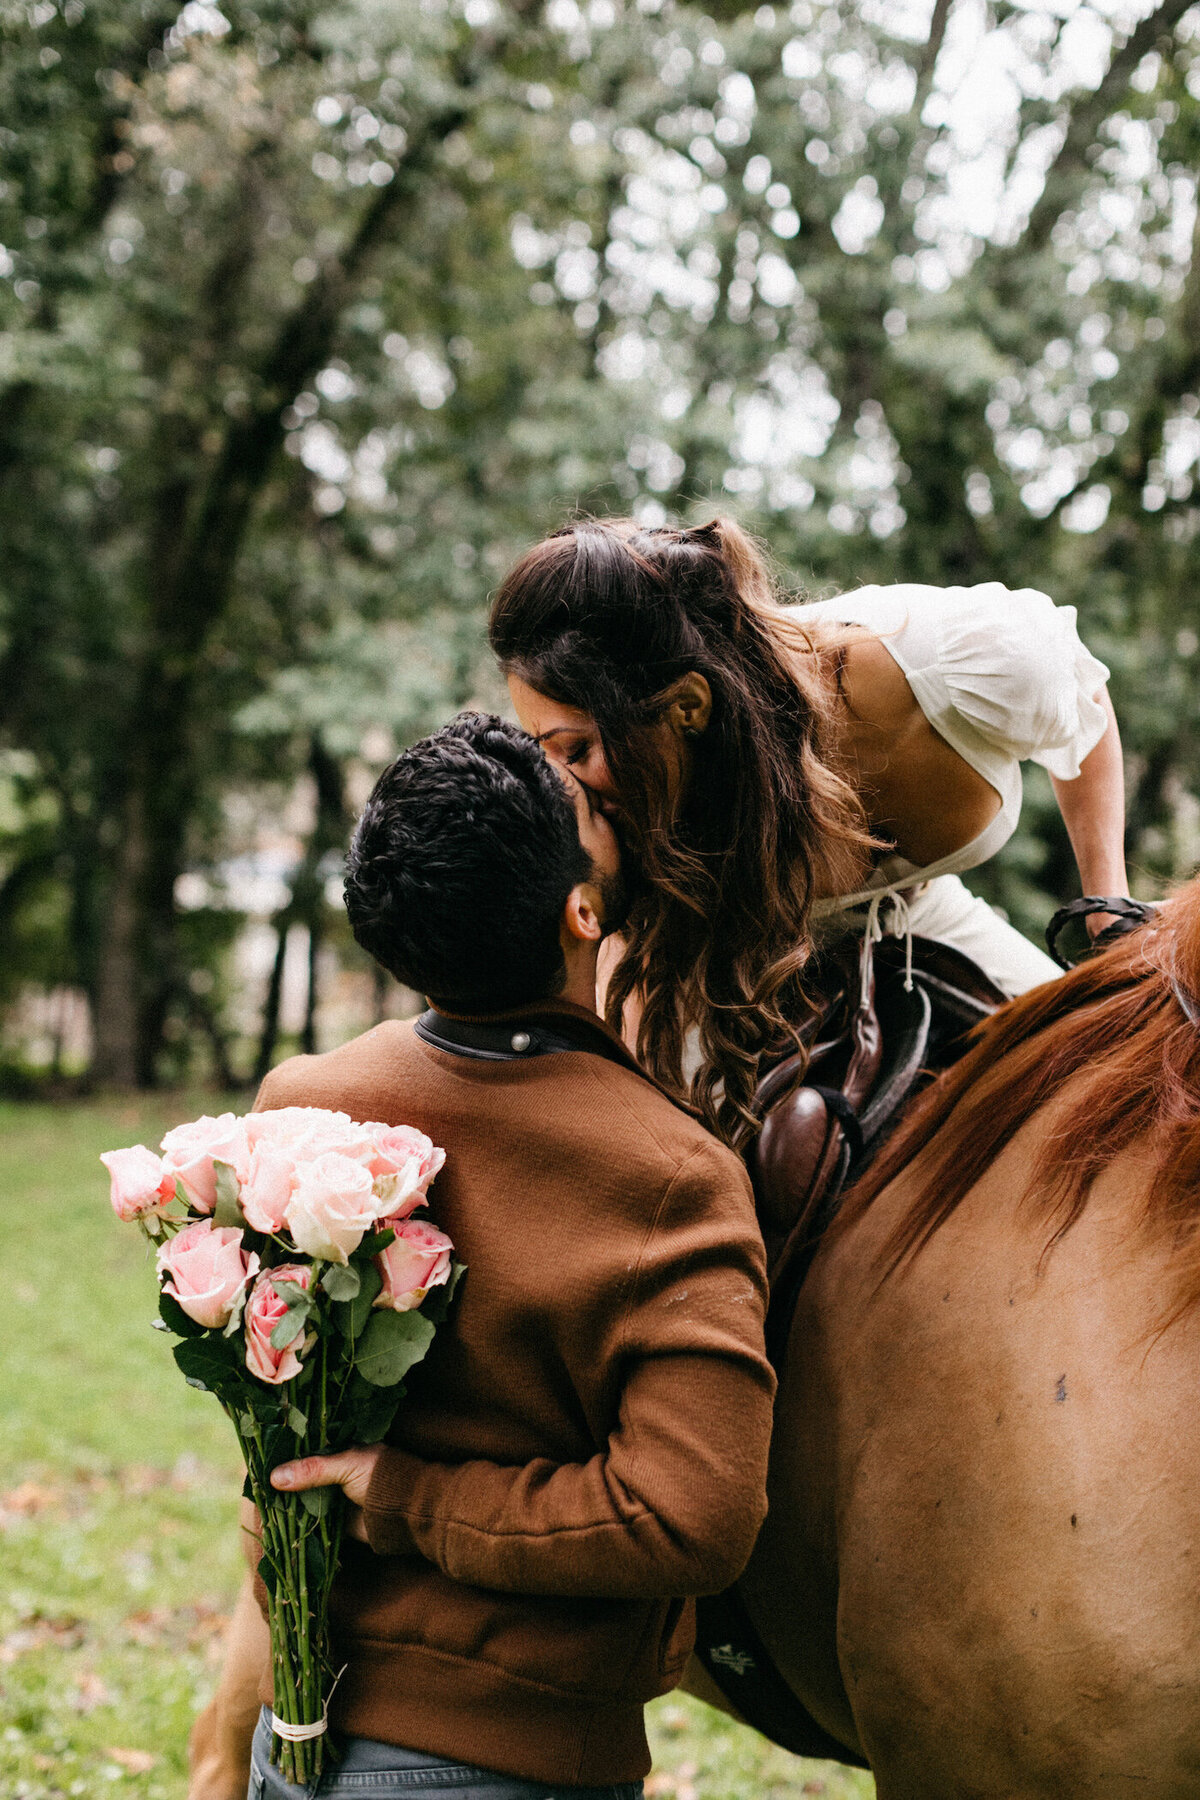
(383, 1772)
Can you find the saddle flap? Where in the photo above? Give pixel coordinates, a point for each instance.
(874, 1038)
(790, 1159)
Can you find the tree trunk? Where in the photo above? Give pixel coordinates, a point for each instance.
(269, 1035)
(116, 994)
(308, 1037)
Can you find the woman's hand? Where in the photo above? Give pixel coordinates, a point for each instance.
(351, 1470)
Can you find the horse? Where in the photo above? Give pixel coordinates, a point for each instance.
(980, 1569)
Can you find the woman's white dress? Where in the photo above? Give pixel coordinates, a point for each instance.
(1002, 675)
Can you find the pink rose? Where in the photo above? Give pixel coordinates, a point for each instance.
(332, 1205)
(267, 1189)
(208, 1270)
(264, 1309)
(417, 1259)
(305, 1132)
(190, 1151)
(140, 1183)
(404, 1164)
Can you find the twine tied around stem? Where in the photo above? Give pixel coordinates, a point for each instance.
(303, 1734)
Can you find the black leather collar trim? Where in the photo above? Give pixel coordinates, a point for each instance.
(512, 1040)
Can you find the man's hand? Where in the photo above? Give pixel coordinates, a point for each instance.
(351, 1470)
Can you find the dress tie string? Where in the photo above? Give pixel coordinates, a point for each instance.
(901, 919)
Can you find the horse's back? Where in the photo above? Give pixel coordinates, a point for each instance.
(984, 1503)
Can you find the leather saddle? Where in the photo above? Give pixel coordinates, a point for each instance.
(872, 1041)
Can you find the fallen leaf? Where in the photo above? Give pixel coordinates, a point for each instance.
(30, 1497)
(196, 1625)
(137, 1762)
(90, 1692)
(36, 1631)
(141, 1478)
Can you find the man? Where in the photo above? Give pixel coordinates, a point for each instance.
(586, 1443)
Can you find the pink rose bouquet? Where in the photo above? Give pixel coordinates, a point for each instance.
(302, 1290)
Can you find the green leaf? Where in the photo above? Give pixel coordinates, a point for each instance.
(276, 1445)
(297, 1420)
(181, 1194)
(341, 1282)
(372, 1245)
(316, 1501)
(437, 1304)
(266, 1570)
(373, 1421)
(175, 1319)
(261, 1402)
(235, 1317)
(390, 1346)
(228, 1210)
(352, 1315)
(314, 1550)
(206, 1363)
(292, 1293)
(289, 1327)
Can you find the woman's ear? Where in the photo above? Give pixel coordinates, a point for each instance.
(688, 705)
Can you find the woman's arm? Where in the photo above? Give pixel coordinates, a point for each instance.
(1093, 810)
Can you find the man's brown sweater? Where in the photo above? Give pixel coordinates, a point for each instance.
(586, 1443)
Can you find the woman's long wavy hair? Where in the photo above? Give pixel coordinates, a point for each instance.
(607, 617)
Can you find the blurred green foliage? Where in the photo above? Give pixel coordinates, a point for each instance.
(312, 315)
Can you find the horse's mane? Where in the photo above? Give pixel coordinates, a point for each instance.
(1117, 1030)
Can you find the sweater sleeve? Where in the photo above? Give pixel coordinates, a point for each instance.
(673, 1501)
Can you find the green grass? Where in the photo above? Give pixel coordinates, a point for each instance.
(118, 1503)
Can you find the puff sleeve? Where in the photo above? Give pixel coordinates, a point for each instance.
(1015, 668)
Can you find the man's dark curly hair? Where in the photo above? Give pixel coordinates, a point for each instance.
(461, 864)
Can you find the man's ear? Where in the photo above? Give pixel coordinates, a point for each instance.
(582, 916)
(688, 705)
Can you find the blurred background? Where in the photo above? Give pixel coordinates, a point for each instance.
(312, 316)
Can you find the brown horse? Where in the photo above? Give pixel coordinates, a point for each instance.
(981, 1566)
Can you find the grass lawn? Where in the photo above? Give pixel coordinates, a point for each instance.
(118, 1551)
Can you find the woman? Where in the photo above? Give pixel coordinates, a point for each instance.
(784, 772)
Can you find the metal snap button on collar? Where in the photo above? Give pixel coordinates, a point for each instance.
(520, 1041)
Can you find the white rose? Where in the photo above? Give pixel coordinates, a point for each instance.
(331, 1207)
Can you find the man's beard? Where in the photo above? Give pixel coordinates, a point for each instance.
(615, 899)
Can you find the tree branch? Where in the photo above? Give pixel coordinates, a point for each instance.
(930, 53)
(187, 607)
(1086, 118)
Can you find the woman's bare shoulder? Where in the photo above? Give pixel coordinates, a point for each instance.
(875, 686)
(920, 795)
